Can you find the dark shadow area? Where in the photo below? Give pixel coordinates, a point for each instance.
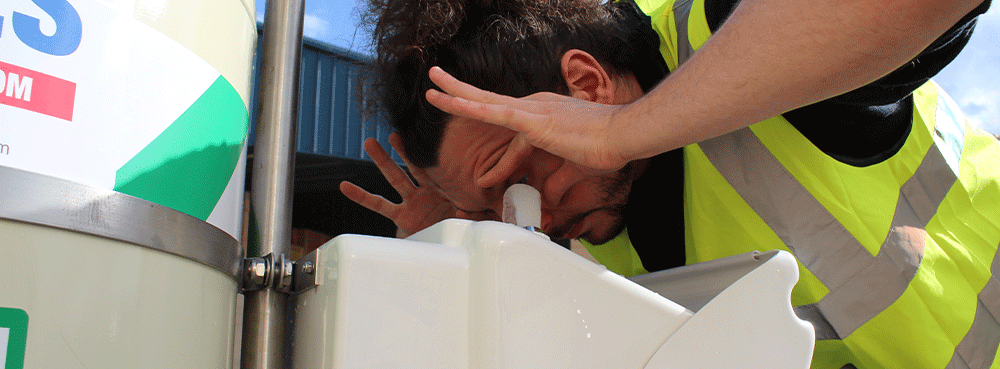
(319, 206)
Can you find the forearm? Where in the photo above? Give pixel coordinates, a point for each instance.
(772, 56)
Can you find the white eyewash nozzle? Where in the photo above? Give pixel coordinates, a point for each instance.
(522, 206)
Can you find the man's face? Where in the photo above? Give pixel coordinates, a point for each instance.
(573, 205)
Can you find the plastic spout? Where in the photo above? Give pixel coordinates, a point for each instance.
(522, 206)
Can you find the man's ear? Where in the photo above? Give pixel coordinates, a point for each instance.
(586, 78)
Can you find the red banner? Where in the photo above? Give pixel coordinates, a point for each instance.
(36, 91)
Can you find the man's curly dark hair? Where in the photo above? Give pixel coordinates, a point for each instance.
(511, 47)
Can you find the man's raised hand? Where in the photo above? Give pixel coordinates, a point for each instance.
(422, 204)
(578, 130)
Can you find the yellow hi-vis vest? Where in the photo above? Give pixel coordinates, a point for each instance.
(897, 260)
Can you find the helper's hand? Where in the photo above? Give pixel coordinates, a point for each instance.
(580, 131)
(422, 204)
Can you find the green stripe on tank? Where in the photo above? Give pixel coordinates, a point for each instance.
(189, 165)
(13, 325)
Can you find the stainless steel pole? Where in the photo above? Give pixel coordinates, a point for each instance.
(265, 343)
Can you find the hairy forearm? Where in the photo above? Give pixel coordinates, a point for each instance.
(772, 56)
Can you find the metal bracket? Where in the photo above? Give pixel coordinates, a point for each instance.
(307, 273)
(280, 273)
(257, 273)
(283, 281)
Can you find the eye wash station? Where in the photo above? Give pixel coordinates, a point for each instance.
(126, 255)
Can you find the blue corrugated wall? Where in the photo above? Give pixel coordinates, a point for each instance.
(330, 121)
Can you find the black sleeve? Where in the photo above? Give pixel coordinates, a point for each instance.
(901, 82)
(859, 133)
(869, 124)
(717, 11)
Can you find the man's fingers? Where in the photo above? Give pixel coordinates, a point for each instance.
(397, 144)
(368, 200)
(454, 87)
(419, 174)
(460, 98)
(509, 116)
(392, 172)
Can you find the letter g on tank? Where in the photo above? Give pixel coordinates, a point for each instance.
(69, 29)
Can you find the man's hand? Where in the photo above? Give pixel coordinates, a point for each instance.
(422, 204)
(745, 73)
(580, 131)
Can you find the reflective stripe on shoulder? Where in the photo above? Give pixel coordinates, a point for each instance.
(682, 11)
(887, 276)
(861, 285)
(979, 346)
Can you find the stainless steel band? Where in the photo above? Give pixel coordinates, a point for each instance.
(38, 199)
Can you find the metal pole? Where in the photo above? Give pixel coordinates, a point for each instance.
(265, 343)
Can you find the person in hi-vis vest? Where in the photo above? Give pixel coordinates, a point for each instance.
(669, 132)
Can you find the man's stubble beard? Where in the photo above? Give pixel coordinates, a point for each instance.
(614, 191)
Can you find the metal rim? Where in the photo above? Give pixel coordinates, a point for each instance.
(39, 199)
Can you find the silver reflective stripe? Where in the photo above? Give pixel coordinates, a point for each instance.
(811, 314)
(957, 364)
(809, 231)
(682, 11)
(979, 346)
(886, 277)
(929, 184)
(861, 286)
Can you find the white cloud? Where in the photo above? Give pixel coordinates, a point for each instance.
(973, 79)
(313, 25)
(260, 10)
(341, 22)
(982, 108)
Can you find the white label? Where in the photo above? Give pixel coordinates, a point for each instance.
(86, 87)
(131, 82)
(4, 336)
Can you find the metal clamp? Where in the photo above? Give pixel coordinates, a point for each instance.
(257, 273)
(307, 273)
(284, 274)
(280, 273)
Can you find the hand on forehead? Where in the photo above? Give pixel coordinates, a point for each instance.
(580, 127)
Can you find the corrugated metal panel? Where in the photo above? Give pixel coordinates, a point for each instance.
(330, 121)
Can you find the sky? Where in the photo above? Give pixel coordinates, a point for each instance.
(972, 80)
